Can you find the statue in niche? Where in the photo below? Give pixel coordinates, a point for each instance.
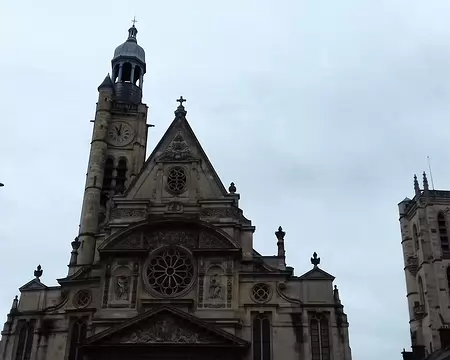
(215, 287)
(122, 286)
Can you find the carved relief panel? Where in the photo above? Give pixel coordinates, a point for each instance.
(215, 283)
(121, 281)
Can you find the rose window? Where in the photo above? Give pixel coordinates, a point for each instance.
(176, 180)
(169, 272)
(261, 293)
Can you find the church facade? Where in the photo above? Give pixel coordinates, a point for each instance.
(164, 265)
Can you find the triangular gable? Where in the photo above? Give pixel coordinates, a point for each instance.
(316, 273)
(33, 285)
(178, 144)
(165, 325)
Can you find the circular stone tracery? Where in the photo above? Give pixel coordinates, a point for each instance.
(176, 180)
(169, 271)
(82, 298)
(261, 293)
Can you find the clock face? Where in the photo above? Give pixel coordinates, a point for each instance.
(120, 134)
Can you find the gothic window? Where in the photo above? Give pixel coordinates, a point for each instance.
(108, 175)
(116, 73)
(25, 343)
(78, 336)
(261, 338)
(416, 238)
(320, 338)
(442, 225)
(121, 175)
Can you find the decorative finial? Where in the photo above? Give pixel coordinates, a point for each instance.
(232, 188)
(76, 243)
(38, 272)
(315, 260)
(425, 182)
(134, 21)
(416, 185)
(280, 233)
(180, 111)
(132, 31)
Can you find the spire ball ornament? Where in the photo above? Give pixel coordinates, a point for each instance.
(232, 189)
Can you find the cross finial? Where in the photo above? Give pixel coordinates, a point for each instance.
(181, 100)
(134, 21)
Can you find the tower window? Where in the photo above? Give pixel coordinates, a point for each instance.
(421, 292)
(443, 235)
(261, 338)
(121, 175)
(78, 336)
(416, 238)
(25, 343)
(320, 338)
(108, 175)
(137, 75)
(126, 72)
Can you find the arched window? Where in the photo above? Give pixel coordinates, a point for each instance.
(115, 73)
(126, 72)
(25, 343)
(421, 292)
(443, 235)
(78, 336)
(320, 338)
(416, 238)
(121, 177)
(108, 175)
(137, 75)
(261, 338)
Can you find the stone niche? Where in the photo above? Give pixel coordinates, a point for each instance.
(215, 288)
(122, 285)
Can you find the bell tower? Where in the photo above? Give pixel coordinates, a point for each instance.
(118, 143)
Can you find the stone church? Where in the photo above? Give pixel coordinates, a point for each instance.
(425, 229)
(164, 265)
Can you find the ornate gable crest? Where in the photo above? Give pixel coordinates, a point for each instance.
(177, 150)
(165, 326)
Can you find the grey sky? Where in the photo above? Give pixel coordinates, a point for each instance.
(319, 110)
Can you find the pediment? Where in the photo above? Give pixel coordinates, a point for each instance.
(188, 233)
(33, 285)
(179, 147)
(317, 274)
(165, 326)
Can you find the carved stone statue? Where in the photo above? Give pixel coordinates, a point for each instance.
(215, 287)
(122, 286)
(108, 207)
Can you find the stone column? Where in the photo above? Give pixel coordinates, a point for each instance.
(119, 78)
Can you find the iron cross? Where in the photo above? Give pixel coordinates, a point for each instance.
(181, 100)
(134, 21)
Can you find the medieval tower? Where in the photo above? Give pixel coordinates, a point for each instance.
(164, 264)
(424, 223)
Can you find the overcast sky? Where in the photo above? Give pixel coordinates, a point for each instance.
(320, 111)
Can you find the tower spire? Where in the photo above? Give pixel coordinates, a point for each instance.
(416, 186)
